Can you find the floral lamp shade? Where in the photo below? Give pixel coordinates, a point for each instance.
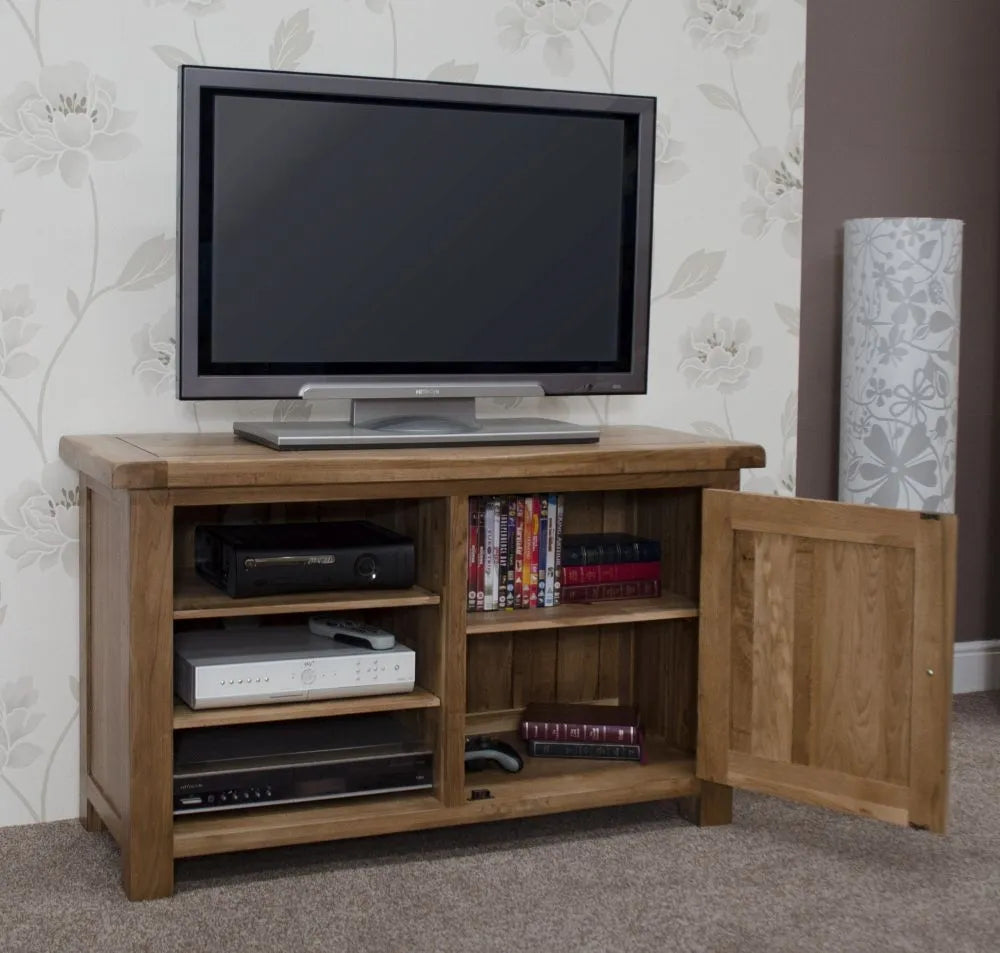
(899, 371)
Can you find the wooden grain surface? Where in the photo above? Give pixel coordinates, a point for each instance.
(105, 674)
(583, 615)
(932, 661)
(89, 815)
(453, 534)
(206, 460)
(196, 599)
(185, 717)
(822, 666)
(147, 857)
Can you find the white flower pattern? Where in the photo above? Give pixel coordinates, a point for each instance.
(16, 332)
(155, 347)
(17, 721)
(669, 165)
(555, 20)
(42, 520)
(197, 8)
(733, 26)
(718, 354)
(64, 121)
(776, 179)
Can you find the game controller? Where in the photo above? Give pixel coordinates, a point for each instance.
(351, 632)
(485, 752)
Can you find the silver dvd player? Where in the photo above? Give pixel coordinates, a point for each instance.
(220, 668)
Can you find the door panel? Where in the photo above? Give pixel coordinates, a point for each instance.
(820, 624)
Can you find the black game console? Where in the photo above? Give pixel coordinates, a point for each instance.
(264, 559)
(240, 766)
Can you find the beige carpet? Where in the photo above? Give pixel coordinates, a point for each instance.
(781, 878)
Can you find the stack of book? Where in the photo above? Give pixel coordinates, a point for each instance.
(515, 551)
(602, 566)
(568, 730)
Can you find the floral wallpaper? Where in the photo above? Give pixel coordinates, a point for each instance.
(87, 196)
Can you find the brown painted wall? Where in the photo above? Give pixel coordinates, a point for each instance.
(903, 118)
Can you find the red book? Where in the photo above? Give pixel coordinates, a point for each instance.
(566, 721)
(609, 572)
(609, 591)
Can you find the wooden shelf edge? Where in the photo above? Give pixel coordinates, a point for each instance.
(276, 827)
(185, 718)
(196, 599)
(668, 606)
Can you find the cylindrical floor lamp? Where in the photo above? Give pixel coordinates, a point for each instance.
(899, 371)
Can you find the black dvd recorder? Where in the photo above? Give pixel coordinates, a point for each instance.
(239, 766)
(262, 559)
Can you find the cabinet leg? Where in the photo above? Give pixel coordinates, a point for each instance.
(150, 879)
(91, 820)
(714, 806)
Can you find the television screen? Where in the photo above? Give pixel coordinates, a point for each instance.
(360, 229)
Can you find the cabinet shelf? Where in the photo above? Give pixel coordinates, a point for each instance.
(545, 786)
(576, 615)
(196, 599)
(185, 717)
(254, 828)
(668, 772)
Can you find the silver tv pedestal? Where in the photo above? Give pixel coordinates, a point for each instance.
(423, 422)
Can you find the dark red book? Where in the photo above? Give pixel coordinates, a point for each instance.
(610, 591)
(608, 572)
(579, 722)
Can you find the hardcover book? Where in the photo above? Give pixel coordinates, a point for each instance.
(582, 549)
(575, 721)
(610, 591)
(608, 572)
(583, 749)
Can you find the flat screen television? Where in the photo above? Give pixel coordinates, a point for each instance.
(411, 245)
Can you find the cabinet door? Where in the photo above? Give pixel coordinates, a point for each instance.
(825, 654)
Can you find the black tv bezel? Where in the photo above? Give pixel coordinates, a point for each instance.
(199, 378)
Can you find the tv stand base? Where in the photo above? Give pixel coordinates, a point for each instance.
(408, 432)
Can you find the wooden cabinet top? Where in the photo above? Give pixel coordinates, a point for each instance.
(168, 461)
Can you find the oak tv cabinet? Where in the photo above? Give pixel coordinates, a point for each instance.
(800, 648)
